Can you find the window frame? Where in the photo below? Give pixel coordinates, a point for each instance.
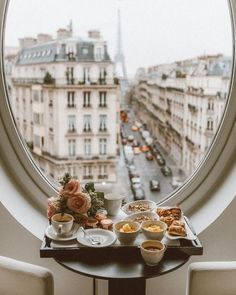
(22, 166)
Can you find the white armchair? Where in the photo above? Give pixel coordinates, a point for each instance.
(211, 278)
(21, 278)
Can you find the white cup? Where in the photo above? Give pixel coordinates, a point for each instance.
(62, 223)
(152, 251)
(112, 203)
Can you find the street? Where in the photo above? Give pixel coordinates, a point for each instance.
(148, 169)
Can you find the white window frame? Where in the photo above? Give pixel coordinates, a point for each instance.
(22, 166)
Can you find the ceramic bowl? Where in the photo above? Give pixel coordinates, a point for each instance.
(126, 237)
(148, 228)
(152, 251)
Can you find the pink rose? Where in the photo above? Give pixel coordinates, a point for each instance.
(53, 207)
(79, 203)
(72, 187)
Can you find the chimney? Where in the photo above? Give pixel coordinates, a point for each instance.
(43, 38)
(95, 34)
(27, 42)
(63, 33)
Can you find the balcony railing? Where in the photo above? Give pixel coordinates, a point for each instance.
(192, 108)
(87, 176)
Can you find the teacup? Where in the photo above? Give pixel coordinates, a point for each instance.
(62, 223)
(152, 251)
(113, 203)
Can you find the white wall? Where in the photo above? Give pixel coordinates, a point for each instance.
(219, 242)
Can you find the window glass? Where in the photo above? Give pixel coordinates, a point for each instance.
(138, 88)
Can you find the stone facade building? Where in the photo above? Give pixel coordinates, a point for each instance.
(66, 104)
(182, 104)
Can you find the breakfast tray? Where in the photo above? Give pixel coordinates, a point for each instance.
(71, 250)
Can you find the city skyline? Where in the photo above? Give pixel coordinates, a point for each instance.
(187, 25)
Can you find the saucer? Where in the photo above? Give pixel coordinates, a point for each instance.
(106, 237)
(50, 233)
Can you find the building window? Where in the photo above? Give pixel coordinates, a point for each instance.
(72, 147)
(70, 75)
(209, 124)
(87, 172)
(36, 95)
(36, 118)
(102, 99)
(102, 146)
(87, 146)
(86, 76)
(102, 76)
(70, 99)
(71, 123)
(87, 123)
(86, 99)
(99, 54)
(102, 172)
(102, 122)
(37, 141)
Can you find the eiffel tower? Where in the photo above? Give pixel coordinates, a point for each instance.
(120, 68)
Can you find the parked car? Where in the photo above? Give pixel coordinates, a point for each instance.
(166, 171)
(135, 143)
(136, 186)
(133, 173)
(137, 150)
(161, 161)
(149, 156)
(124, 141)
(176, 182)
(145, 148)
(154, 185)
(134, 128)
(135, 180)
(130, 138)
(139, 194)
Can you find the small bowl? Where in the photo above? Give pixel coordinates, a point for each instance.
(152, 251)
(126, 237)
(139, 206)
(154, 235)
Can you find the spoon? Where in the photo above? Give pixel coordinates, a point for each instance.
(93, 241)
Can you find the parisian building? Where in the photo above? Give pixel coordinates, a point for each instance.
(181, 104)
(65, 99)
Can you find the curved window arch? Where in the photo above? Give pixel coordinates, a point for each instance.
(182, 193)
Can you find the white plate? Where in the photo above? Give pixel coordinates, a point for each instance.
(133, 216)
(151, 204)
(49, 232)
(106, 237)
(190, 235)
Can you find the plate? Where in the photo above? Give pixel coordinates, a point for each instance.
(49, 232)
(106, 237)
(190, 235)
(135, 216)
(150, 204)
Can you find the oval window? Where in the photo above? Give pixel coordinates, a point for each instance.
(127, 95)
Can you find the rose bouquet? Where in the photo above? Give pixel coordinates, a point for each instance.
(75, 200)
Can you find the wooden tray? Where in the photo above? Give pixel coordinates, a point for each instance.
(72, 250)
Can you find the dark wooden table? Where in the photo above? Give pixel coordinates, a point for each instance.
(126, 274)
(123, 267)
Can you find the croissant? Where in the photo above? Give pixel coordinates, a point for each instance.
(163, 212)
(176, 212)
(177, 230)
(167, 219)
(178, 223)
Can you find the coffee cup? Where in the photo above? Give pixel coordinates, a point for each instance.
(62, 223)
(152, 251)
(112, 203)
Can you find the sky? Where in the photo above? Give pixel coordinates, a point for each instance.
(153, 31)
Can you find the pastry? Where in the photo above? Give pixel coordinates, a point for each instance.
(167, 219)
(177, 230)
